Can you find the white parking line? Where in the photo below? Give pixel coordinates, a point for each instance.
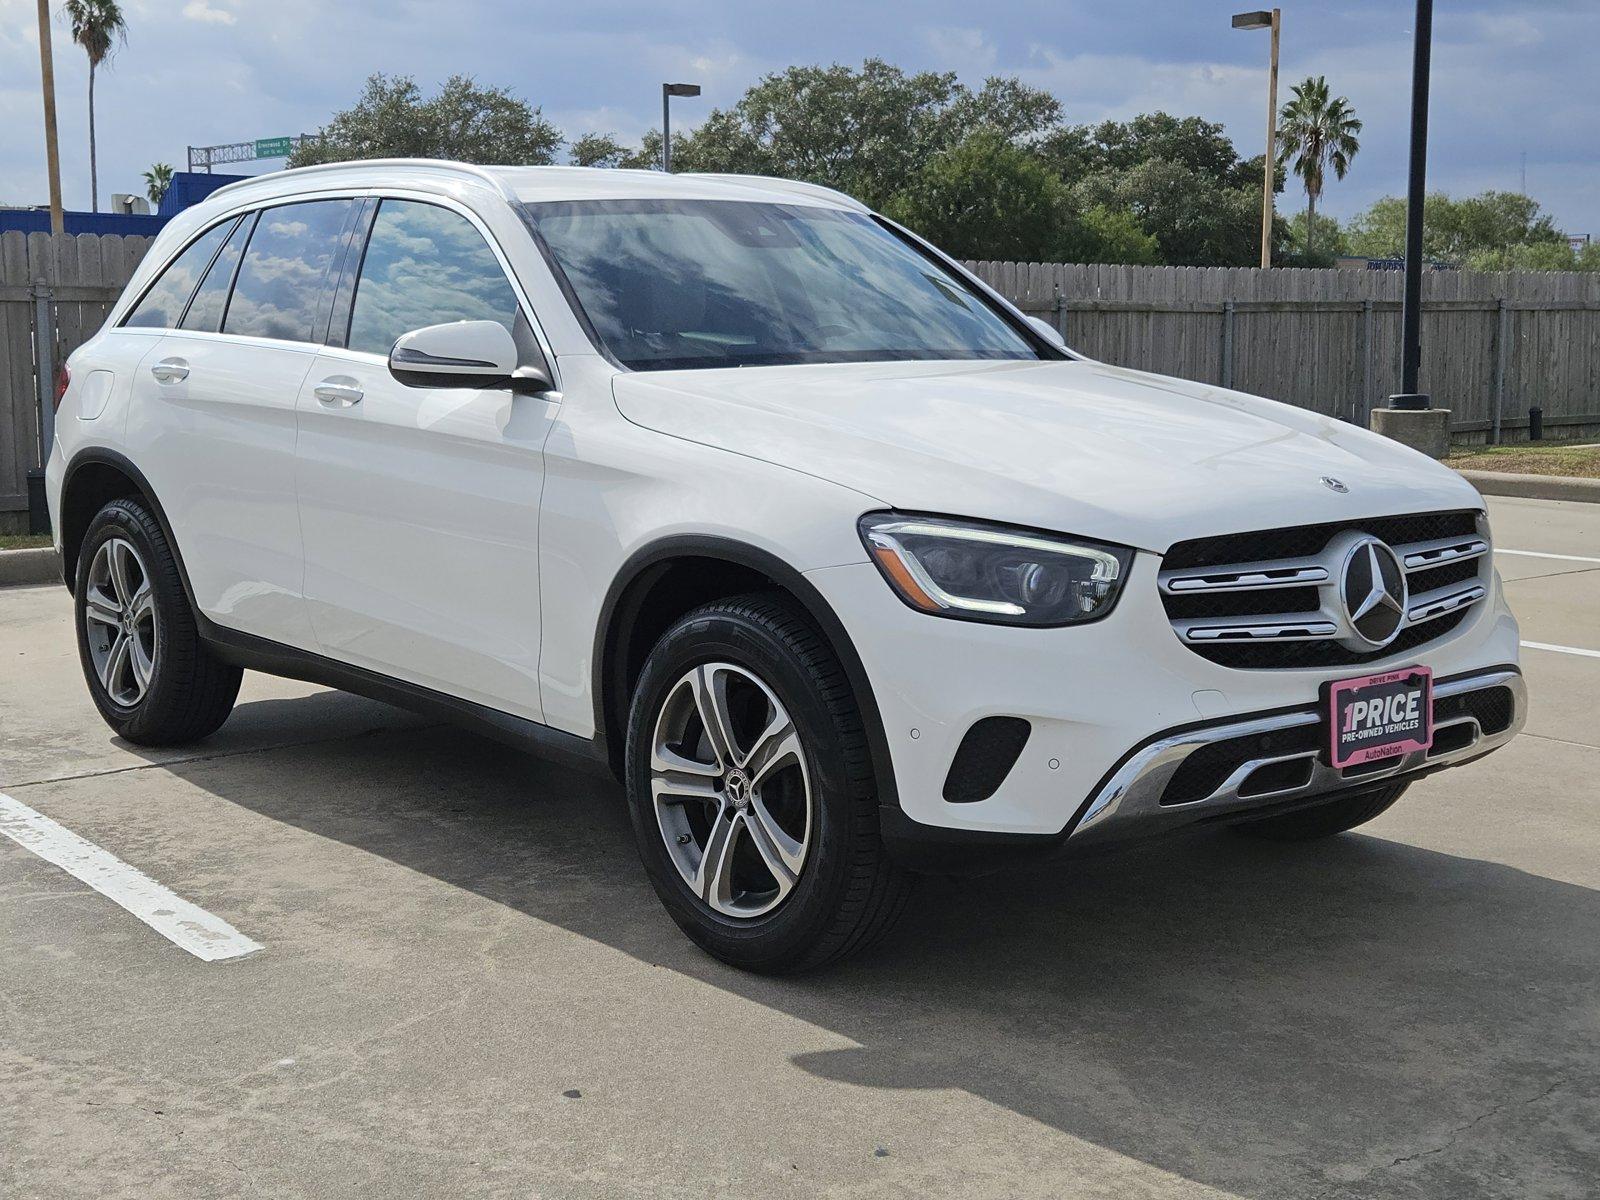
(1542, 554)
(174, 918)
(1562, 649)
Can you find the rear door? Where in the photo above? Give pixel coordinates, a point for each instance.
(420, 506)
(215, 427)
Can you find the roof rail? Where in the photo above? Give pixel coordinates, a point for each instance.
(443, 165)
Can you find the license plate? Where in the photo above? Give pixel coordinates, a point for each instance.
(1379, 716)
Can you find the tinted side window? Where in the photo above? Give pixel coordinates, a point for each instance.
(205, 310)
(163, 303)
(425, 265)
(278, 293)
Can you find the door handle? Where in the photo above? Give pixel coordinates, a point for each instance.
(338, 391)
(170, 370)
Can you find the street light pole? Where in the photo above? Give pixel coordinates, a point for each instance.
(1410, 416)
(52, 155)
(669, 90)
(1274, 21)
(1411, 309)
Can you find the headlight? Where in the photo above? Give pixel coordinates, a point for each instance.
(978, 572)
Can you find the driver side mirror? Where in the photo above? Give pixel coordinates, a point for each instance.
(1048, 331)
(478, 354)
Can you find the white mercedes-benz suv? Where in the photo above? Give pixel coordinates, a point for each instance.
(728, 485)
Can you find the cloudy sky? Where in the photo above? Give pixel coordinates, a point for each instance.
(1511, 77)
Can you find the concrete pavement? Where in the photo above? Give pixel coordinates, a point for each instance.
(468, 988)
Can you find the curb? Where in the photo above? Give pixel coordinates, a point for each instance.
(1534, 487)
(22, 567)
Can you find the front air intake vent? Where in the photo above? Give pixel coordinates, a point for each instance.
(985, 757)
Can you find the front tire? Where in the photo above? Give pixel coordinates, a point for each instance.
(752, 792)
(1325, 820)
(148, 672)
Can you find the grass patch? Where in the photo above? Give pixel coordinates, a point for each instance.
(1531, 459)
(23, 541)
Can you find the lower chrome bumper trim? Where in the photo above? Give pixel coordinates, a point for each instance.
(1128, 804)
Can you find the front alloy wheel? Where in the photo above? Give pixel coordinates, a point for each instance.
(752, 790)
(729, 786)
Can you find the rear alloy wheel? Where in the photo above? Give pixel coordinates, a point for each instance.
(150, 675)
(120, 608)
(752, 791)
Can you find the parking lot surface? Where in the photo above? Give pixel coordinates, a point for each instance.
(468, 989)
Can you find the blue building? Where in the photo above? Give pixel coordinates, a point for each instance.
(187, 188)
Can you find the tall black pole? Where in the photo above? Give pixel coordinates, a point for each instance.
(666, 128)
(1411, 315)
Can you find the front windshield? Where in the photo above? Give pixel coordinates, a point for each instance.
(672, 284)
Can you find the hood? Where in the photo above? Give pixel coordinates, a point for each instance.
(1076, 447)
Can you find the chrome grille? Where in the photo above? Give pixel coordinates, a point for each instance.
(1273, 598)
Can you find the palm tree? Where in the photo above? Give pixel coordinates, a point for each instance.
(157, 180)
(97, 25)
(1317, 132)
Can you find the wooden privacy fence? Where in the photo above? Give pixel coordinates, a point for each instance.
(1494, 346)
(54, 293)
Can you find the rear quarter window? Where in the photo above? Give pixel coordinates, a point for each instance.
(162, 306)
(205, 310)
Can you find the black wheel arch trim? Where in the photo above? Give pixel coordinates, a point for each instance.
(647, 563)
(101, 455)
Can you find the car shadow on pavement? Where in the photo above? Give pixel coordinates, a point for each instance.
(1269, 1020)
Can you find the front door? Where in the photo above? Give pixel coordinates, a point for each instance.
(420, 506)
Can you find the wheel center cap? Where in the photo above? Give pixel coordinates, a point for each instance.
(737, 788)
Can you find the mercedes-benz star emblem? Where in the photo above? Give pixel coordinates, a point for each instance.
(1374, 594)
(1334, 485)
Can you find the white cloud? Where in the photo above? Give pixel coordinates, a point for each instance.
(967, 51)
(201, 10)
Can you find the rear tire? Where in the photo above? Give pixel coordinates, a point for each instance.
(150, 675)
(1324, 820)
(780, 869)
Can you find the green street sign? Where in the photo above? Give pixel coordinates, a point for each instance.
(272, 147)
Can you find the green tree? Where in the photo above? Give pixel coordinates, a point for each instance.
(1317, 131)
(157, 180)
(1492, 231)
(464, 121)
(1325, 234)
(988, 198)
(1113, 147)
(596, 150)
(1195, 220)
(1380, 231)
(1178, 179)
(866, 132)
(985, 198)
(1108, 235)
(97, 26)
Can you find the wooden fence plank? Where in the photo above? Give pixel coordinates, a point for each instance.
(1329, 340)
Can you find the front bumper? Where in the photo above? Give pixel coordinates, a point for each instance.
(1114, 706)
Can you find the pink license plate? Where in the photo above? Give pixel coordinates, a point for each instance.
(1379, 716)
